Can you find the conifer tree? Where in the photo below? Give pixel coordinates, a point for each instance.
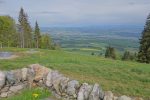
(110, 53)
(45, 41)
(25, 30)
(126, 55)
(144, 50)
(37, 35)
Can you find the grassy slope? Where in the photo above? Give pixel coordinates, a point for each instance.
(128, 78)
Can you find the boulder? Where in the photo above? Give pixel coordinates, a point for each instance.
(72, 88)
(56, 78)
(2, 79)
(10, 78)
(97, 93)
(124, 98)
(40, 71)
(16, 88)
(24, 72)
(63, 85)
(84, 92)
(17, 75)
(49, 80)
(30, 77)
(108, 95)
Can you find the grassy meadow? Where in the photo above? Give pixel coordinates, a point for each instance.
(32, 94)
(121, 77)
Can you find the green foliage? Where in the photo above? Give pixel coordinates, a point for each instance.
(21, 35)
(129, 56)
(45, 41)
(7, 31)
(110, 53)
(144, 51)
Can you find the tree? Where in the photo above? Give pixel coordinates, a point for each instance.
(25, 30)
(45, 41)
(7, 31)
(37, 35)
(144, 50)
(126, 55)
(110, 53)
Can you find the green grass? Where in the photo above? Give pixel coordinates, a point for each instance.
(121, 77)
(30, 94)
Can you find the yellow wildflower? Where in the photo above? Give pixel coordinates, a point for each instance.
(35, 95)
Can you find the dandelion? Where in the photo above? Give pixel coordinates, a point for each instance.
(35, 95)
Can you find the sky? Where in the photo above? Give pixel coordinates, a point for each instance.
(79, 12)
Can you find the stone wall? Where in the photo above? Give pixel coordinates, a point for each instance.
(12, 82)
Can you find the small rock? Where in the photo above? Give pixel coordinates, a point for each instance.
(72, 88)
(2, 79)
(24, 72)
(137, 98)
(124, 98)
(10, 93)
(5, 89)
(115, 98)
(17, 88)
(108, 95)
(3, 95)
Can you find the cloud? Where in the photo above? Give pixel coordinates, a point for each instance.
(80, 11)
(1, 1)
(47, 12)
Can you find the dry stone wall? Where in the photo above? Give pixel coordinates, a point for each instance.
(12, 82)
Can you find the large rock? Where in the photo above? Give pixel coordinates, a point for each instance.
(84, 92)
(49, 79)
(4, 89)
(63, 85)
(40, 71)
(18, 75)
(2, 79)
(72, 88)
(17, 88)
(10, 78)
(108, 95)
(24, 72)
(124, 98)
(97, 93)
(56, 78)
(30, 76)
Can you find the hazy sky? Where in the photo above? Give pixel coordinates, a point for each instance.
(79, 12)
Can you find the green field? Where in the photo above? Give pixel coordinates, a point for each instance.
(121, 77)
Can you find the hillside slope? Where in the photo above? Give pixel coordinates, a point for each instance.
(121, 77)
